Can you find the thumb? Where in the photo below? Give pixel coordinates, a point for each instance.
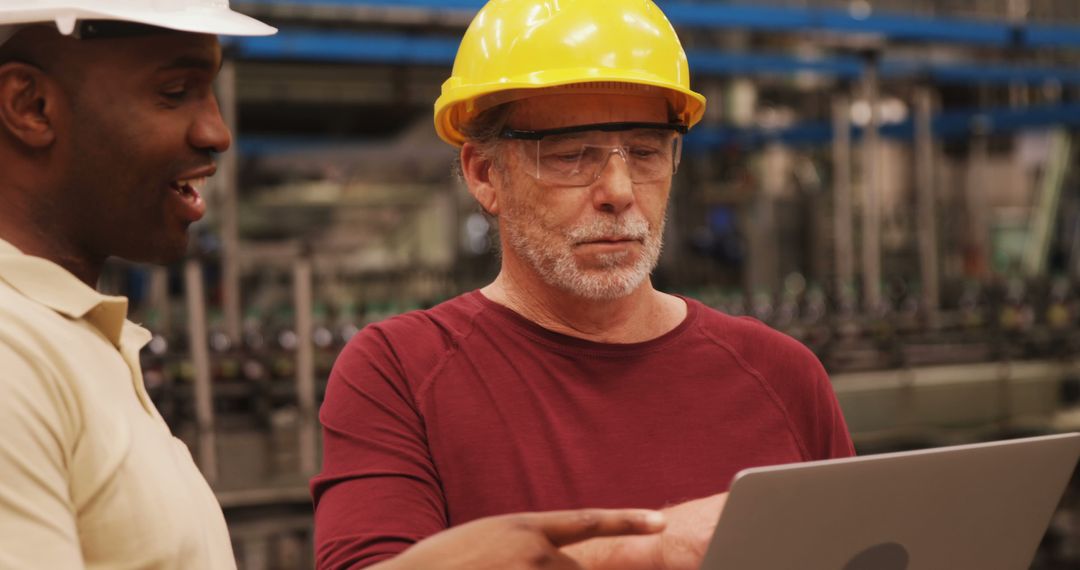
(563, 528)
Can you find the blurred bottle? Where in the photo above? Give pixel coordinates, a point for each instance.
(283, 349)
(254, 366)
(325, 341)
(972, 307)
(224, 362)
(347, 324)
(1059, 307)
(761, 306)
(815, 320)
(846, 323)
(786, 316)
(1016, 315)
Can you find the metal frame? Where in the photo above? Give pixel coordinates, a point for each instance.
(706, 15)
(298, 44)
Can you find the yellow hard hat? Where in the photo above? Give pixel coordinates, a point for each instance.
(515, 47)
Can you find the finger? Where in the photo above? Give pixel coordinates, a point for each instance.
(567, 527)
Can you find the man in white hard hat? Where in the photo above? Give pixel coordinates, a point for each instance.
(108, 131)
(569, 381)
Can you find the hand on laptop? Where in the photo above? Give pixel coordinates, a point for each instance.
(524, 541)
(681, 546)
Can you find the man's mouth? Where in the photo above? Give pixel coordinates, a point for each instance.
(611, 240)
(189, 189)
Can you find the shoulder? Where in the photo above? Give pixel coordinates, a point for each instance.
(780, 361)
(28, 329)
(791, 375)
(409, 344)
(448, 320)
(34, 388)
(753, 340)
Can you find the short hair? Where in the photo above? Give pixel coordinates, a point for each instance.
(484, 131)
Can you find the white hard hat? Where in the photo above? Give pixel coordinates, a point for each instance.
(197, 16)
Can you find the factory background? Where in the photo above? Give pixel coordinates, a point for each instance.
(895, 183)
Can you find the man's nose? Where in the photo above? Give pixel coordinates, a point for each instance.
(613, 190)
(208, 129)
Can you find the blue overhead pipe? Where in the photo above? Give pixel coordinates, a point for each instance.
(346, 47)
(400, 49)
(714, 15)
(1048, 36)
(947, 125)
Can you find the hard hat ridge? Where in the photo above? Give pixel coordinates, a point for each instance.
(196, 16)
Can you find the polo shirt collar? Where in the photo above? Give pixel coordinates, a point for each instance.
(50, 285)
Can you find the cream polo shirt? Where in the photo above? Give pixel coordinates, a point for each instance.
(90, 476)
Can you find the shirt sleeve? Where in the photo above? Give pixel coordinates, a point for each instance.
(829, 432)
(809, 399)
(378, 492)
(37, 517)
(804, 389)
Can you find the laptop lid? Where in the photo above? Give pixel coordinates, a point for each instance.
(970, 507)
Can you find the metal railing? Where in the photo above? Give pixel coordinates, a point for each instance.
(1048, 11)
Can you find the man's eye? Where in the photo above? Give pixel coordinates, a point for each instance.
(569, 156)
(175, 94)
(644, 152)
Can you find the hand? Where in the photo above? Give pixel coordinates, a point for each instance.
(525, 541)
(681, 546)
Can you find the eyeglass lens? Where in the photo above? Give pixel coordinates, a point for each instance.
(579, 159)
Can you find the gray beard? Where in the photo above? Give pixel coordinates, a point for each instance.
(617, 277)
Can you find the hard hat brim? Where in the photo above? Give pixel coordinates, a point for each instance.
(215, 21)
(452, 112)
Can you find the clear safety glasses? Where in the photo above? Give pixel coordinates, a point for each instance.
(576, 156)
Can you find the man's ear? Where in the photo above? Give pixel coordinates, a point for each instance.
(479, 171)
(27, 97)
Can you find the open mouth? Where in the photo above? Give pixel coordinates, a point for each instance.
(189, 189)
(192, 207)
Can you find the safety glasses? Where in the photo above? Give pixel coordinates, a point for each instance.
(577, 156)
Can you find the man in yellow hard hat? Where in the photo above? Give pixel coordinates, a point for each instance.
(569, 381)
(108, 131)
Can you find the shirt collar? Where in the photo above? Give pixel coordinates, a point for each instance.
(48, 284)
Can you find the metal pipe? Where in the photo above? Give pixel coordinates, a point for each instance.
(926, 195)
(305, 364)
(159, 297)
(975, 197)
(230, 224)
(842, 221)
(206, 448)
(871, 211)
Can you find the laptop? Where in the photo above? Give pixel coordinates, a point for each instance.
(970, 507)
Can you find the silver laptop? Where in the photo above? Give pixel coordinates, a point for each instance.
(970, 507)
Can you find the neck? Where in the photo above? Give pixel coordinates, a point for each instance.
(38, 235)
(642, 315)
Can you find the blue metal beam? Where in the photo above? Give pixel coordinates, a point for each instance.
(399, 49)
(759, 18)
(915, 28)
(708, 63)
(714, 15)
(1043, 36)
(948, 125)
(345, 47)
